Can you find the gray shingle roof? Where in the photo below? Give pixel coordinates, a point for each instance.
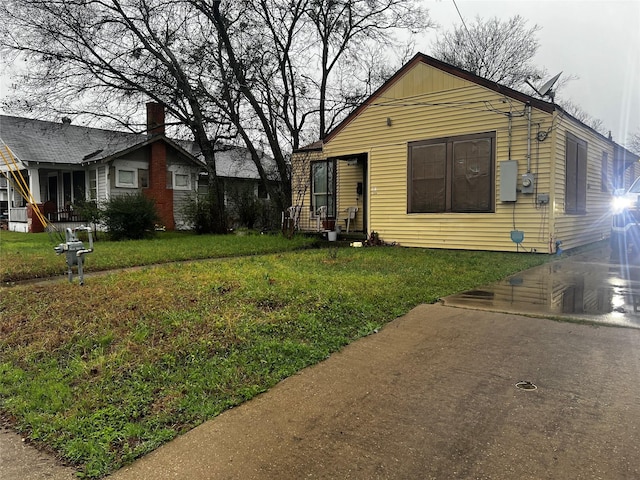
(37, 141)
(58, 143)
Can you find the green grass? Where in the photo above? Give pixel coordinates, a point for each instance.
(27, 256)
(104, 373)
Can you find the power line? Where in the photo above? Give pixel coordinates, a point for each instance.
(471, 39)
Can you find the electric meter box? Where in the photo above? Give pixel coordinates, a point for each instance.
(528, 183)
(508, 181)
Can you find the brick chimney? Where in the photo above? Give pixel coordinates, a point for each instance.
(155, 118)
(157, 190)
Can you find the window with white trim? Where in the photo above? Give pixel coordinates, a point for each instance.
(323, 186)
(93, 184)
(127, 178)
(181, 181)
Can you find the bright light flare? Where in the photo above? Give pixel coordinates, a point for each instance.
(619, 204)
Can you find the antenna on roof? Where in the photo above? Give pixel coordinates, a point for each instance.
(545, 90)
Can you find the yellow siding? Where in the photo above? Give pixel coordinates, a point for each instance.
(465, 108)
(426, 103)
(576, 230)
(423, 79)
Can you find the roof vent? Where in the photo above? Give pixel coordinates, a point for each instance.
(66, 120)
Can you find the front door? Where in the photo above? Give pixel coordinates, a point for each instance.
(52, 189)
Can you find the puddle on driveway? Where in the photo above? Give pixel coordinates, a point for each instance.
(588, 286)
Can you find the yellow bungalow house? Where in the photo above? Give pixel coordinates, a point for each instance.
(438, 157)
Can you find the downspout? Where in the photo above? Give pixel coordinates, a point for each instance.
(528, 137)
(552, 181)
(366, 204)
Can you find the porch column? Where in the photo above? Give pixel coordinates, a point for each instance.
(34, 185)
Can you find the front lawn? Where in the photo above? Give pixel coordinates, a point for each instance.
(104, 373)
(25, 256)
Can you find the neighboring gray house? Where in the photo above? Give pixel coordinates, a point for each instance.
(61, 163)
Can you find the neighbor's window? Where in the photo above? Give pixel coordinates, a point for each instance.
(93, 184)
(262, 191)
(453, 174)
(604, 174)
(143, 177)
(181, 181)
(323, 185)
(126, 178)
(575, 175)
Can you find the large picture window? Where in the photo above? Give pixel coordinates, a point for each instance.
(323, 185)
(575, 175)
(453, 174)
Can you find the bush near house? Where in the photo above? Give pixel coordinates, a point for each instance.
(132, 216)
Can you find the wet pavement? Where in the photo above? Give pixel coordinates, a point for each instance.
(590, 286)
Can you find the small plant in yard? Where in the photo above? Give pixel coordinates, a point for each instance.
(332, 253)
(91, 212)
(200, 213)
(130, 217)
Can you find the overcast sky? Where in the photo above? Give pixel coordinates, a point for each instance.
(595, 40)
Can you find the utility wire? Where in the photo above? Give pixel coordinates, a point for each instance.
(471, 39)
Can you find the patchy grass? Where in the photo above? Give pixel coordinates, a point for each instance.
(105, 373)
(26, 256)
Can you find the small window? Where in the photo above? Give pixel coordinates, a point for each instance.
(575, 201)
(262, 191)
(604, 175)
(126, 178)
(93, 184)
(181, 181)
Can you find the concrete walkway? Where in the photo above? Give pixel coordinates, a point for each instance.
(21, 461)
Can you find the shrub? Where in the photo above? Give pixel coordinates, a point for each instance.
(247, 207)
(200, 213)
(90, 211)
(249, 211)
(130, 217)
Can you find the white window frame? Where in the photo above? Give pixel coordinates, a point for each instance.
(175, 183)
(90, 188)
(127, 185)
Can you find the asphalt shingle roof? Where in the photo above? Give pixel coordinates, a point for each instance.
(38, 141)
(59, 143)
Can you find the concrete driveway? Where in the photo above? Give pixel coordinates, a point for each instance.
(590, 286)
(434, 395)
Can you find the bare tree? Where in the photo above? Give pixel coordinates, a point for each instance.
(341, 24)
(104, 58)
(579, 113)
(633, 143)
(244, 72)
(500, 51)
